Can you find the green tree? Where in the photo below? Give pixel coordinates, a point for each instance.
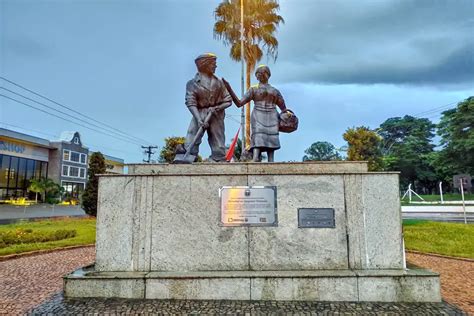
(90, 195)
(36, 186)
(52, 191)
(456, 129)
(364, 145)
(260, 24)
(322, 151)
(408, 148)
(237, 150)
(168, 152)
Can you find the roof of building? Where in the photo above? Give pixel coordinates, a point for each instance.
(66, 136)
(115, 159)
(25, 138)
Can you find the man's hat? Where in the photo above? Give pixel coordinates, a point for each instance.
(205, 56)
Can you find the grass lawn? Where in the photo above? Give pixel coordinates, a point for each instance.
(85, 229)
(451, 239)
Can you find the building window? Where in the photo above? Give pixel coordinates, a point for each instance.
(44, 170)
(76, 140)
(73, 189)
(75, 157)
(4, 171)
(30, 169)
(65, 171)
(15, 173)
(73, 172)
(13, 176)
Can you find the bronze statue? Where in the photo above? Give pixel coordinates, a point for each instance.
(206, 99)
(265, 118)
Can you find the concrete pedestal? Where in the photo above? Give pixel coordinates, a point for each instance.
(158, 236)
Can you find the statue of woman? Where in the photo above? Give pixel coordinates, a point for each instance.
(265, 118)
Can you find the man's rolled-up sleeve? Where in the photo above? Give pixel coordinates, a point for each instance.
(190, 98)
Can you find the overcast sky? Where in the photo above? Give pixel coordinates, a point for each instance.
(340, 64)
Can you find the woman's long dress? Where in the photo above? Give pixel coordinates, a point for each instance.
(265, 118)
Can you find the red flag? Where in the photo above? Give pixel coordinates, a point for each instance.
(230, 152)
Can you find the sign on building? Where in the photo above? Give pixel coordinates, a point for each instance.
(466, 181)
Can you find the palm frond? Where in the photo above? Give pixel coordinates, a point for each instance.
(260, 25)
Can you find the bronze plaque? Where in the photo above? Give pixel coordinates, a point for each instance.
(248, 206)
(316, 218)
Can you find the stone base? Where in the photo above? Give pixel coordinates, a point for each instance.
(320, 285)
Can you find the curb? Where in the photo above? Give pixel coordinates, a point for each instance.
(437, 255)
(41, 252)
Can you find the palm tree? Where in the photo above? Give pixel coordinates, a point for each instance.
(260, 24)
(36, 186)
(51, 188)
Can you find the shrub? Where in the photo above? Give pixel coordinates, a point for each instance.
(89, 197)
(26, 236)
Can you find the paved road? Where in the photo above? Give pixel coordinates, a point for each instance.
(437, 208)
(445, 213)
(440, 217)
(9, 213)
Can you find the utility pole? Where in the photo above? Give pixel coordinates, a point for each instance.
(149, 151)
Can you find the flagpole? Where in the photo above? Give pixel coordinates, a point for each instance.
(242, 83)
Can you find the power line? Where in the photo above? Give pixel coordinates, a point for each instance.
(70, 109)
(67, 114)
(65, 119)
(57, 136)
(27, 129)
(434, 110)
(233, 119)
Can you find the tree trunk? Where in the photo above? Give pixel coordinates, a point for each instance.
(36, 197)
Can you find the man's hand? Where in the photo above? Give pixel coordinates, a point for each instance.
(203, 124)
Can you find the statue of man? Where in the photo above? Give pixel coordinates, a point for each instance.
(207, 93)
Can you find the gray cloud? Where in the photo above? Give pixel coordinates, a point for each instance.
(367, 42)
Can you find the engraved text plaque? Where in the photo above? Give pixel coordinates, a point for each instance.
(248, 206)
(316, 218)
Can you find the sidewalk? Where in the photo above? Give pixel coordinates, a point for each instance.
(12, 212)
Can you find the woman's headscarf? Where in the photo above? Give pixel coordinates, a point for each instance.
(264, 68)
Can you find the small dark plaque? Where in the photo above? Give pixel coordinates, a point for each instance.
(316, 218)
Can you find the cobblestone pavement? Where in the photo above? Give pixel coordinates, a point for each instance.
(27, 281)
(457, 278)
(34, 284)
(59, 306)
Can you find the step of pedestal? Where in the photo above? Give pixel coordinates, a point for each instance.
(321, 285)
